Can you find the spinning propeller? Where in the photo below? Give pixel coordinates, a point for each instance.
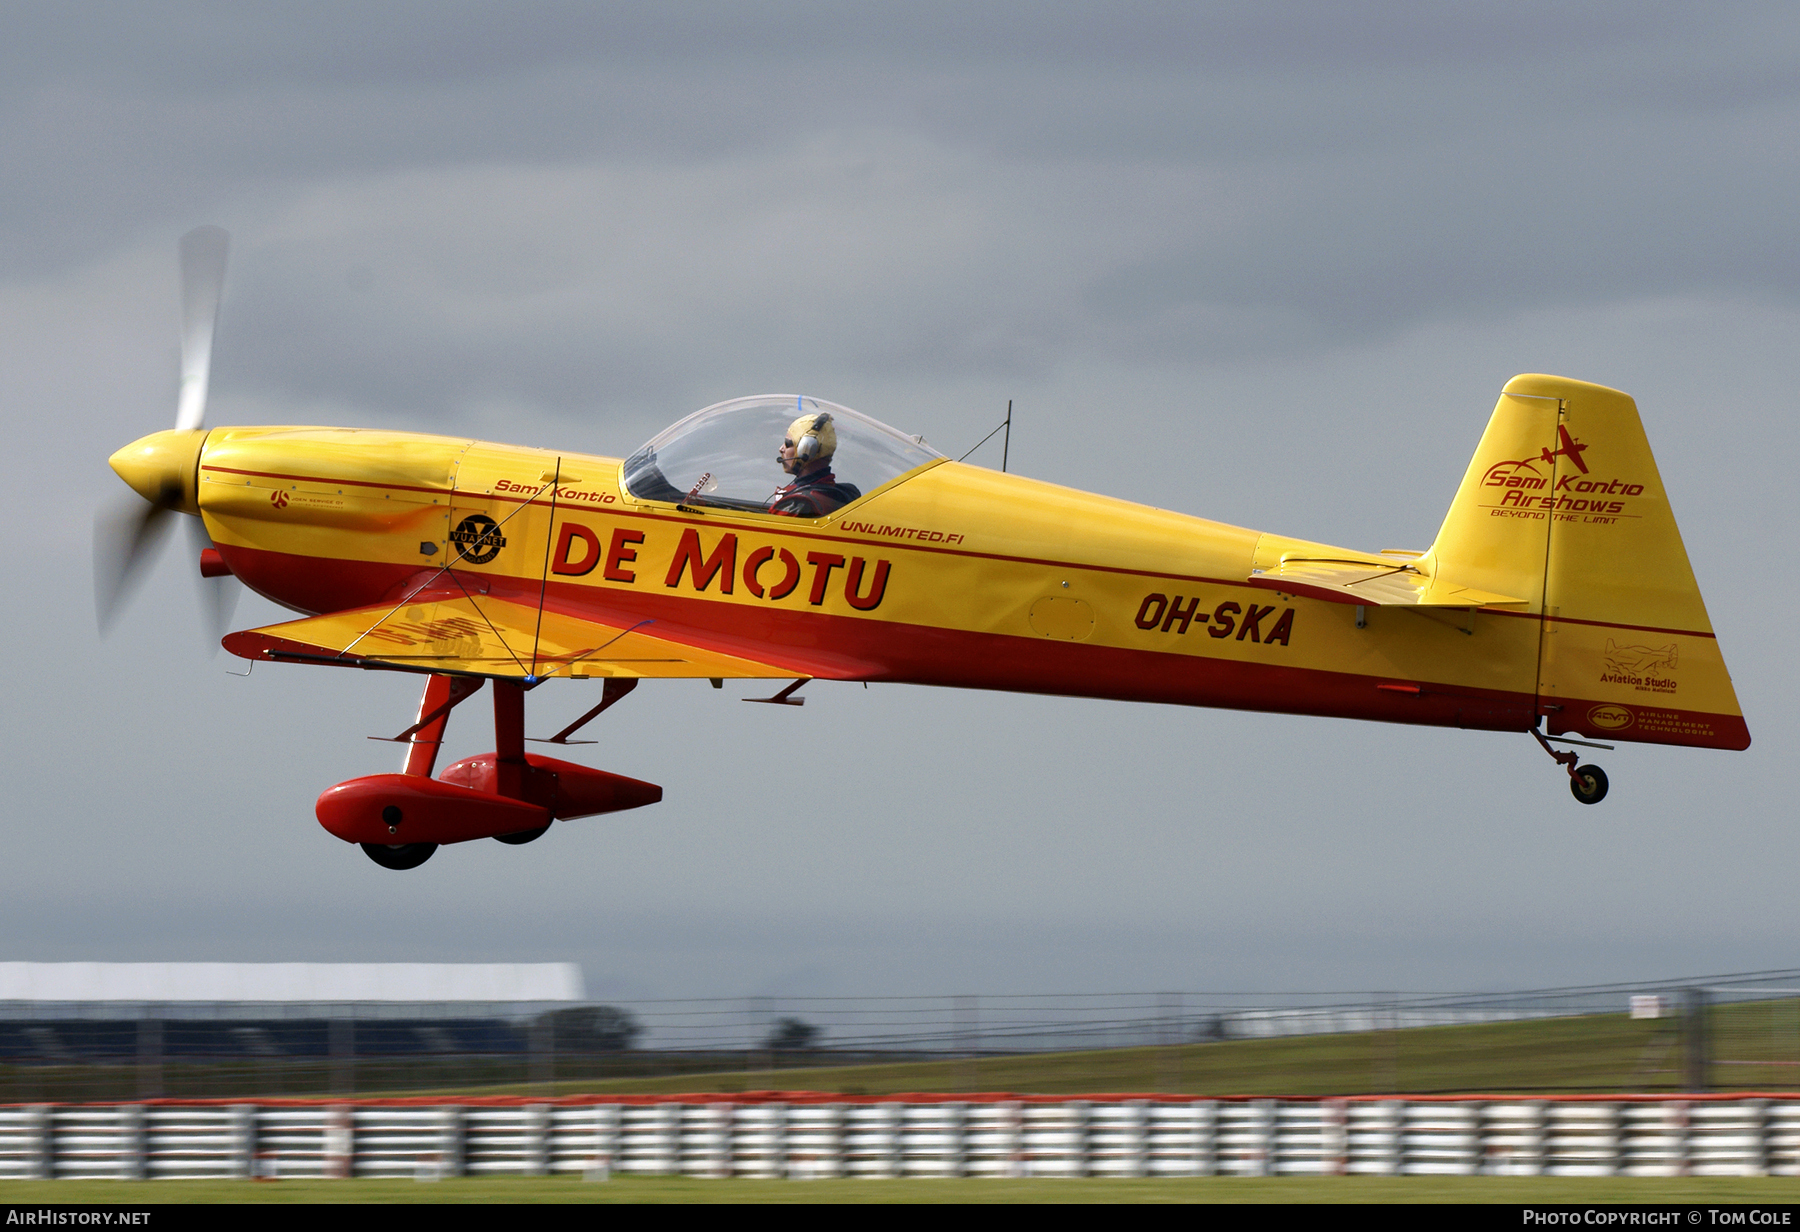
(163, 468)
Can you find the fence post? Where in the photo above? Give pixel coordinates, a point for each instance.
(541, 1043)
(1266, 1124)
(893, 1138)
(537, 1139)
(1391, 1159)
(1136, 1126)
(341, 1043)
(605, 1142)
(1206, 1137)
(243, 1140)
(1757, 1113)
(780, 1159)
(968, 1043)
(1537, 1163)
(450, 1140)
(149, 1057)
(40, 1161)
(956, 1155)
(1695, 1042)
(1675, 1120)
(1336, 1137)
(1012, 1138)
(1615, 1136)
(340, 1142)
(131, 1142)
(711, 1154)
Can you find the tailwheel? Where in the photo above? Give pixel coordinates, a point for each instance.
(1588, 784)
(526, 836)
(402, 855)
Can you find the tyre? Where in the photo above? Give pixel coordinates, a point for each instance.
(1589, 784)
(522, 836)
(405, 855)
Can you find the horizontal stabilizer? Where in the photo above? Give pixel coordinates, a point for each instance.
(1376, 584)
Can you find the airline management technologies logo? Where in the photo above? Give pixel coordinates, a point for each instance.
(1610, 718)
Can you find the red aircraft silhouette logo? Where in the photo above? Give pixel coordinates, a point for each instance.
(1569, 449)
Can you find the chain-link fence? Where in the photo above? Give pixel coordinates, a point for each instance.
(1735, 1031)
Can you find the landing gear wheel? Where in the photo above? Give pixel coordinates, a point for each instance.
(1588, 784)
(406, 855)
(522, 836)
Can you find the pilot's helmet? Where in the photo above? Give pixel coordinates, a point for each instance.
(813, 437)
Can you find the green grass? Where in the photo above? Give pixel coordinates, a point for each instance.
(684, 1189)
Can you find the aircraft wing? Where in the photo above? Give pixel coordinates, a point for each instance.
(1377, 585)
(488, 636)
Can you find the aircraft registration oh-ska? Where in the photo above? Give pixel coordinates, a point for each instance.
(1557, 599)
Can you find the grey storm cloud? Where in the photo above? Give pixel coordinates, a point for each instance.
(966, 186)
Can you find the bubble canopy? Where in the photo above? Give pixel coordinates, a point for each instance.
(725, 455)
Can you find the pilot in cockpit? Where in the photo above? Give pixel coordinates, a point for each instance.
(806, 455)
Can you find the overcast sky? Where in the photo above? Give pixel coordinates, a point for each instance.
(1269, 264)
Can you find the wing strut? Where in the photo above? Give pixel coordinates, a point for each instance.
(442, 693)
(616, 689)
(785, 697)
(537, 632)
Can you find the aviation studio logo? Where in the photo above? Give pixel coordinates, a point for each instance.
(478, 538)
(1645, 668)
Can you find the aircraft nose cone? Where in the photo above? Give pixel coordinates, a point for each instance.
(163, 468)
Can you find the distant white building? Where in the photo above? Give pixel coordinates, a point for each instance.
(286, 990)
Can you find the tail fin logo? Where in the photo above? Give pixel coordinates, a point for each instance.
(1520, 474)
(1568, 447)
(1639, 659)
(1645, 669)
(1531, 488)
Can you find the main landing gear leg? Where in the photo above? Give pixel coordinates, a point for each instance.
(615, 690)
(423, 740)
(510, 767)
(1586, 783)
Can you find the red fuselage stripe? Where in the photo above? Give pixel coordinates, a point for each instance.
(867, 649)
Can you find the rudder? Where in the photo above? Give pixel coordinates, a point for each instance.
(1563, 508)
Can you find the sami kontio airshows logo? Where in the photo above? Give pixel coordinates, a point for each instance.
(478, 538)
(1524, 484)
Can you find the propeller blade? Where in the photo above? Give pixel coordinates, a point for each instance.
(203, 252)
(219, 595)
(126, 539)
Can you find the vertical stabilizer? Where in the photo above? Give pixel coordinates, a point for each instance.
(1563, 507)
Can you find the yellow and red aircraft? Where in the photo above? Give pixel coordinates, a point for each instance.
(1557, 598)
